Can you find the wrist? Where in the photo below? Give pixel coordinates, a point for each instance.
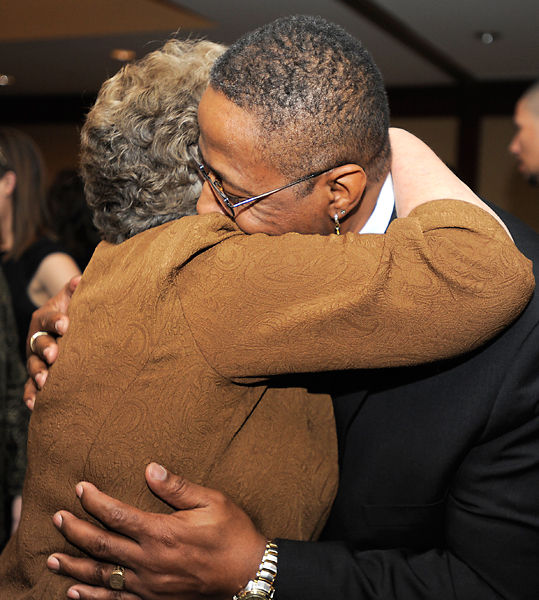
(262, 586)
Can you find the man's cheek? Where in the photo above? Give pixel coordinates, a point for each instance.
(207, 203)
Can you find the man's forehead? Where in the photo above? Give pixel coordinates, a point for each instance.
(207, 118)
(230, 145)
(531, 101)
(219, 118)
(522, 112)
(227, 130)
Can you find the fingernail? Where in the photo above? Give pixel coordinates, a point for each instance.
(60, 325)
(57, 519)
(79, 489)
(47, 353)
(30, 403)
(53, 563)
(158, 472)
(73, 594)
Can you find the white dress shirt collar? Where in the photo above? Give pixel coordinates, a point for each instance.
(380, 217)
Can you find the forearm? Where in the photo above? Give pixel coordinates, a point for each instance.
(447, 275)
(489, 545)
(417, 171)
(322, 570)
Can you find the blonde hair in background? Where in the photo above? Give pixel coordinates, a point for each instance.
(137, 141)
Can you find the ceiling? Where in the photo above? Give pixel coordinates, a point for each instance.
(57, 47)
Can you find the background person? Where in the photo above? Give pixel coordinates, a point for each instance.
(13, 420)
(525, 143)
(35, 266)
(402, 527)
(70, 218)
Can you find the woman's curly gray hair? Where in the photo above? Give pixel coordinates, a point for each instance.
(138, 138)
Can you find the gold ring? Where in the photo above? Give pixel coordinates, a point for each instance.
(34, 338)
(117, 578)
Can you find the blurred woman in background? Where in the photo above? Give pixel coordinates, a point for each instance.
(35, 265)
(70, 218)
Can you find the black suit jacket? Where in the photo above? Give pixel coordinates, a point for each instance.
(439, 491)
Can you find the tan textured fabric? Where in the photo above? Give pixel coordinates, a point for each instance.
(174, 332)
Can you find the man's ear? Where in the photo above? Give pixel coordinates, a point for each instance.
(347, 184)
(8, 183)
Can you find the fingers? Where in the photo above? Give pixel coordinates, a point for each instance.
(115, 515)
(93, 540)
(214, 547)
(38, 371)
(93, 573)
(72, 286)
(177, 491)
(51, 317)
(29, 394)
(51, 321)
(16, 507)
(46, 351)
(84, 592)
(44, 347)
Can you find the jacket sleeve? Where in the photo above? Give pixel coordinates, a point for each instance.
(491, 522)
(439, 282)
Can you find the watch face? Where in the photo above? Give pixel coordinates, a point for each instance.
(253, 595)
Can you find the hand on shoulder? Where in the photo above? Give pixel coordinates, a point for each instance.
(50, 318)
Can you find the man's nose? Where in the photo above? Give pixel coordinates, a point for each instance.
(207, 202)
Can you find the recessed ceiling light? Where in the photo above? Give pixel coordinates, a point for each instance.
(6, 79)
(487, 37)
(123, 54)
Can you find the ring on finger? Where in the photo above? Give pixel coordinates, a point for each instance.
(34, 338)
(117, 578)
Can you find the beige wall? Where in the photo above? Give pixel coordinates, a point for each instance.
(498, 179)
(440, 133)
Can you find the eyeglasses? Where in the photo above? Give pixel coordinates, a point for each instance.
(229, 206)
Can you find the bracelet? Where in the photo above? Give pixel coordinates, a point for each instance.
(262, 586)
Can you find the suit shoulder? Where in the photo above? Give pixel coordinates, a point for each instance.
(526, 238)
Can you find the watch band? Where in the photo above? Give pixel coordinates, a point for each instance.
(262, 586)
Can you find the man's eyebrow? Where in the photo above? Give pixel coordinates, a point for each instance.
(223, 180)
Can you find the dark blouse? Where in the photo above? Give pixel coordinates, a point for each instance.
(13, 414)
(19, 273)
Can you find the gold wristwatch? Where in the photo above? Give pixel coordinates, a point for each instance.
(262, 586)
